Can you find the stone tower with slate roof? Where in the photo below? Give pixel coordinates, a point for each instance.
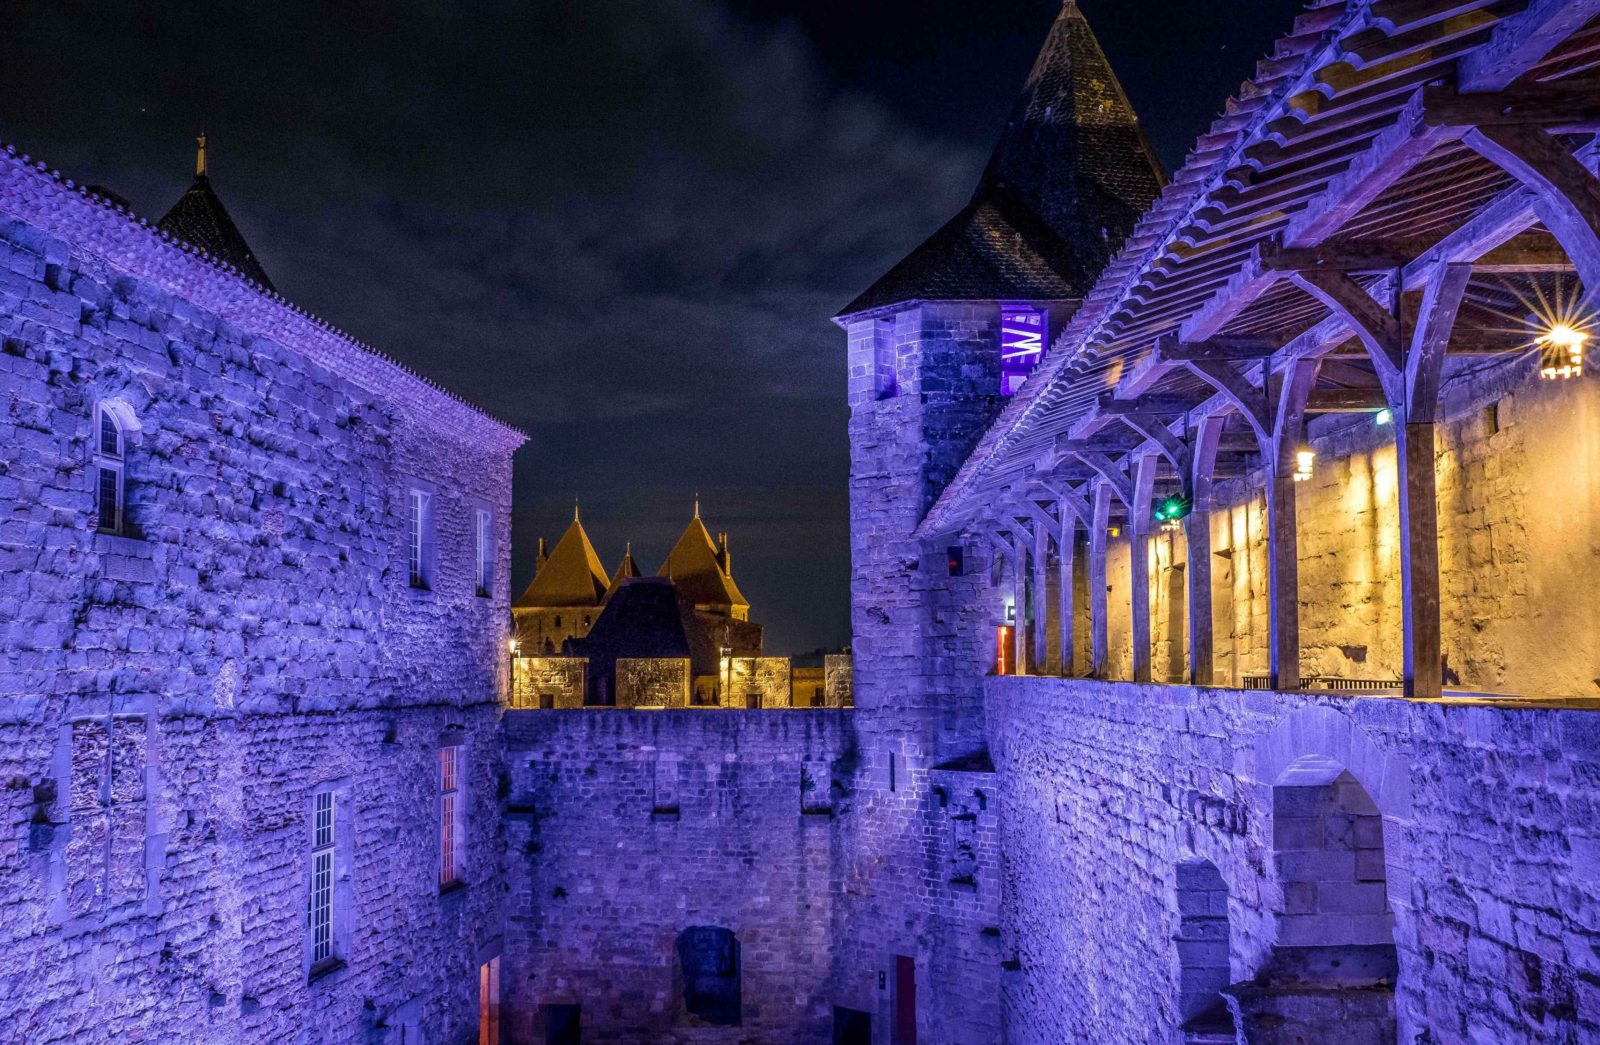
(934, 346)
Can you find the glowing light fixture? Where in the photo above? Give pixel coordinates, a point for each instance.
(512, 646)
(1383, 417)
(1171, 511)
(1562, 345)
(1304, 459)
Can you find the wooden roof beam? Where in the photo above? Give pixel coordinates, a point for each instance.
(1377, 328)
(1146, 405)
(1565, 193)
(1388, 157)
(1170, 349)
(1346, 401)
(1565, 107)
(1522, 40)
(1235, 296)
(1529, 252)
(1336, 256)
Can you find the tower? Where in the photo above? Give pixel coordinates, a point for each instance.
(200, 219)
(937, 344)
(935, 347)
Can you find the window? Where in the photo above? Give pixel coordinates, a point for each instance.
(451, 816)
(485, 554)
(489, 1002)
(322, 871)
(330, 900)
(420, 544)
(109, 455)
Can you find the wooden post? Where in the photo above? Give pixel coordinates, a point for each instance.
(1283, 629)
(1283, 585)
(1019, 601)
(1419, 559)
(1423, 669)
(1197, 535)
(1139, 525)
(1041, 602)
(1100, 520)
(1064, 600)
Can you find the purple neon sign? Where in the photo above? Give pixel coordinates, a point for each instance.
(1022, 335)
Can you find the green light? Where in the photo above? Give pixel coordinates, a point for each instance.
(1171, 509)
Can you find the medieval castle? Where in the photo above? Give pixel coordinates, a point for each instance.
(1225, 649)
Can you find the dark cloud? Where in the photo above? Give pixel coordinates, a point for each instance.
(619, 225)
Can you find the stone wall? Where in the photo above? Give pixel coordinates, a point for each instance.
(758, 682)
(548, 682)
(626, 828)
(174, 695)
(1489, 848)
(838, 680)
(661, 682)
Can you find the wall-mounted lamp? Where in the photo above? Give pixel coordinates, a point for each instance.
(1562, 345)
(1304, 459)
(1383, 417)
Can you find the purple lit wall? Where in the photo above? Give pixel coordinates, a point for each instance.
(1022, 338)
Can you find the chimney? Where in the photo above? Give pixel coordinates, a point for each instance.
(543, 555)
(723, 559)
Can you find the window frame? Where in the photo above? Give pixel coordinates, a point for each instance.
(112, 462)
(484, 531)
(324, 847)
(452, 815)
(329, 844)
(419, 539)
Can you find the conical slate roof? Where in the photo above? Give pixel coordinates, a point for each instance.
(572, 576)
(1071, 174)
(200, 219)
(693, 565)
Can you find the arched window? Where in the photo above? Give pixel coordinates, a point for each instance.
(109, 461)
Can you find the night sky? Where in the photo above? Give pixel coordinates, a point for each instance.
(622, 226)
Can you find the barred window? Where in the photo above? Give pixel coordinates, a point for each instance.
(322, 850)
(450, 815)
(109, 460)
(485, 554)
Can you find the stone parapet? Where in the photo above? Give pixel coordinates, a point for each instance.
(1488, 844)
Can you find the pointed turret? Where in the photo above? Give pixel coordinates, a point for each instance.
(200, 219)
(696, 566)
(627, 569)
(571, 576)
(1070, 175)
